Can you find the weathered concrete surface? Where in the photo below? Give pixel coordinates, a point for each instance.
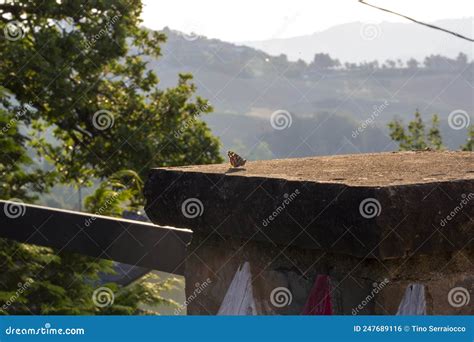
(417, 192)
(359, 286)
(370, 169)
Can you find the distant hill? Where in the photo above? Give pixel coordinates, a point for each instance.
(357, 42)
(246, 85)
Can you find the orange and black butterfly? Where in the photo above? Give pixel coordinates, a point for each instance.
(235, 159)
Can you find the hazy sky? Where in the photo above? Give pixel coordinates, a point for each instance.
(242, 20)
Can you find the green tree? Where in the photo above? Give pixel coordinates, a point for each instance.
(123, 191)
(18, 178)
(434, 134)
(415, 137)
(324, 61)
(412, 63)
(80, 66)
(469, 145)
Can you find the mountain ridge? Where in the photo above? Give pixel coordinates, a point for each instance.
(327, 102)
(358, 41)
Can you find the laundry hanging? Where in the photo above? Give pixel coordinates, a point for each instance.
(239, 299)
(319, 300)
(413, 301)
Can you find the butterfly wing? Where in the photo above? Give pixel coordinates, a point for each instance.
(241, 161)
(236, 160)
(233, 159)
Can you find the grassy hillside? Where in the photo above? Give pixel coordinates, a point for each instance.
(246, 85)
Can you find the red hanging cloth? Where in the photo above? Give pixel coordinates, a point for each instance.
(319, 300)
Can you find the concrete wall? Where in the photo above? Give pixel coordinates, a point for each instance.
(360, 286)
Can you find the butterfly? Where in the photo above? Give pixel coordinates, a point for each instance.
(236, 160)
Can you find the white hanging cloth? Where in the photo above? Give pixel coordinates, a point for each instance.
(413, 302)
(239, 299)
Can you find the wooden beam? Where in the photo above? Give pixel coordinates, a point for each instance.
(132, 242)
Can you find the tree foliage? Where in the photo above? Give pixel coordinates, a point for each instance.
(324, 61)
(80, 69)
(18, 176)
(469, 145)
(415, 137)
